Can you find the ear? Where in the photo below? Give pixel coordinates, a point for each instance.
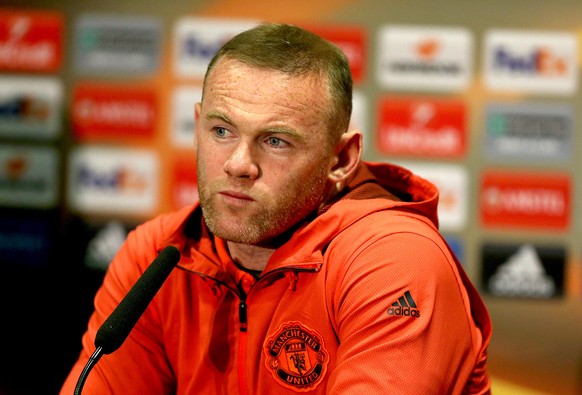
(196, 124)
(347, 157)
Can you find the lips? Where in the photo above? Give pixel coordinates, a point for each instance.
(233, 196)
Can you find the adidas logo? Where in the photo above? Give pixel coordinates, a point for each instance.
(404, 306)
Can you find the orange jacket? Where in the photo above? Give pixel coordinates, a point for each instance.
(365, 299)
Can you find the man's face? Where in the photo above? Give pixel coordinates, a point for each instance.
(263, 155)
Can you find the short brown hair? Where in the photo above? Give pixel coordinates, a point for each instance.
(296, 51)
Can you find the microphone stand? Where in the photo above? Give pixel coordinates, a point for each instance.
(93, 359)
(117, 326)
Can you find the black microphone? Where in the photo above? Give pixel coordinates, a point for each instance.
(117, 326)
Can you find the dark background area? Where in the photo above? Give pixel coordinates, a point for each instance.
(45, 306)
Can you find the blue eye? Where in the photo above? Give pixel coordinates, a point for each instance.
(276, 142)
(220, 132)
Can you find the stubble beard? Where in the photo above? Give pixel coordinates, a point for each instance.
(276, 215)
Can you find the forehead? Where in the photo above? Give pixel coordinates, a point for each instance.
(235, 85)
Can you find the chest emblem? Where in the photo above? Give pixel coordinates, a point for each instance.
(296, 357)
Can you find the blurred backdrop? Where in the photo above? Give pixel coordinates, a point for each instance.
(483, 98)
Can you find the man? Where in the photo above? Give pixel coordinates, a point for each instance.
(303, 269)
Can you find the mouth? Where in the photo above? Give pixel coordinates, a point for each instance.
(236, 198)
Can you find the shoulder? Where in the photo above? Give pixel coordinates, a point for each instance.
(392, 247)
(388, 228)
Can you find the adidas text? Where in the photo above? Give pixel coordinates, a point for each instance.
(404, 311)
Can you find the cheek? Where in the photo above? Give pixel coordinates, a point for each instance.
(209, 157)
(312, 175)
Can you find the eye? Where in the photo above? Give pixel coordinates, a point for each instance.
(221, 132)
(276, 142)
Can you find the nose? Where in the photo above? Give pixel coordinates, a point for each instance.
(242, 162)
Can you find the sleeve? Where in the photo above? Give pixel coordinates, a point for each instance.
(403, 318)
(139, 365)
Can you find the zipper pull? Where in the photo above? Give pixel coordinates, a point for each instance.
(242, 315)
(292, 278)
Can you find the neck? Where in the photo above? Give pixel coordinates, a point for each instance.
(253, 257)
(249, 256)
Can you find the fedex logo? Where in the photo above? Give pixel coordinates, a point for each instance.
(529, 61)
(121, 178)
(113, 180)
(525, 200)
(194, 47)
(196, 40)
(541, 61)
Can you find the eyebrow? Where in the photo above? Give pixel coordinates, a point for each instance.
(290, 132)
(287, 131)
(211, 115)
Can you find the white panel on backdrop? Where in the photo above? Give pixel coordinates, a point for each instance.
(196, 40)
(424, 58)
(113, 180)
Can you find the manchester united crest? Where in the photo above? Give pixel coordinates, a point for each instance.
(296, 357)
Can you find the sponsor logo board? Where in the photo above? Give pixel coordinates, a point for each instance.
(196, 40)
(29, 176)
(30, 107)
(112, 43)
(526, 200)
(31, 41)
(531, 61)
(113, 180)
(520, 132)
(428, 128)
(425, 58)
(104, 242)
(114, 111)
(523, 270)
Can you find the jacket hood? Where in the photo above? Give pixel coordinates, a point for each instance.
(398, 186)
(376, 186)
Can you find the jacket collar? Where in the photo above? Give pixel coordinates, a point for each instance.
(376, 186)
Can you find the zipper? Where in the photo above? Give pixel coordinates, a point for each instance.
(242, 346)
(242, 313)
